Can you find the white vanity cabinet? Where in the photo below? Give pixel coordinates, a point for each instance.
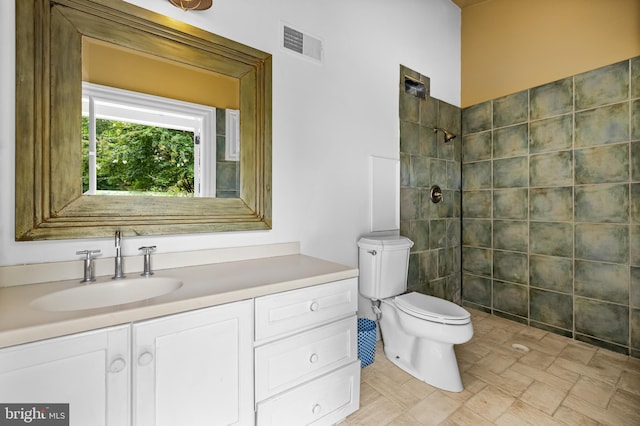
(283, 355)
(194, 368)
(306, 363)
(89, 371)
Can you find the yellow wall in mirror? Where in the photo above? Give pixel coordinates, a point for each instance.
(115, 66)
(513, 45)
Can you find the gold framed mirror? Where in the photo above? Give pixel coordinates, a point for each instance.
(50, 203)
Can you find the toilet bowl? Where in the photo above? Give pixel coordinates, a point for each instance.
(420, 341)
(418, 331)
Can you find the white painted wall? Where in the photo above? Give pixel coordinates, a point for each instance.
(327, 119)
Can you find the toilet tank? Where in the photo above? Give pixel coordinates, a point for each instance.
(383, 264)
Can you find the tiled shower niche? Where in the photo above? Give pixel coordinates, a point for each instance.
(426, 160)
(551, 207)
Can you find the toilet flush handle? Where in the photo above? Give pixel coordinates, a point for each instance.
(372, 252)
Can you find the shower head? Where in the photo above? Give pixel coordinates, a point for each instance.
(447, 134)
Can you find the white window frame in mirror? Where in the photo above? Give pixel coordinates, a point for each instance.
(232, 135)
(111, 103)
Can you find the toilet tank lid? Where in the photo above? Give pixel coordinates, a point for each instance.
(394, 242)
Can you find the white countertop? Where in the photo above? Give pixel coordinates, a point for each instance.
(203, 286)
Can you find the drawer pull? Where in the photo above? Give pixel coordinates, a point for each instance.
(117, 365)
(314, 306)
(316, 409)
(314, 358)
(145, 358)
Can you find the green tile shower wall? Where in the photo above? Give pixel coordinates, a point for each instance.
(551, 207)
(425, 160)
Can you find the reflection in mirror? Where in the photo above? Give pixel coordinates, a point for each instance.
(139, 144)
(62, 43)
(151, 127)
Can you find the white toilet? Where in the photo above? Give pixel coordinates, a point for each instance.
(418, 331)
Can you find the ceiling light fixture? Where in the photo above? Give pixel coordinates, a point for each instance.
(192, 4)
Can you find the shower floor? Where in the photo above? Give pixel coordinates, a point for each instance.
(558, 381)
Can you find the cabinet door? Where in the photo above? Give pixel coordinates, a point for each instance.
(195, 368)
(89, 371)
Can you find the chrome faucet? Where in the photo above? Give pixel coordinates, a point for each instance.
(118, 274)
(89, 271)
(146, 251)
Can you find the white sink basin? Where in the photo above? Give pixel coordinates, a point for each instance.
(100, 295)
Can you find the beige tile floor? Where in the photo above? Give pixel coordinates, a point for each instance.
(559, 381)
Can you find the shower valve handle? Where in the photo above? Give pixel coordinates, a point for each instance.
(435, 194)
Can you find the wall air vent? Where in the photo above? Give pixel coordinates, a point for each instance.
(301, 43)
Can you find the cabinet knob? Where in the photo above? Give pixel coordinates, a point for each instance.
(314, 306)
(117, 365)
(314, 358)
(145, 358)
(316, 409)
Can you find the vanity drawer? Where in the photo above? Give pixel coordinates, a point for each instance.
(295, 310)
(289, 362)
(323, 401)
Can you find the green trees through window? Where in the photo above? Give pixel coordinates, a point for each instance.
(139, 159)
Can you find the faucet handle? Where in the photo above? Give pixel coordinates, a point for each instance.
(89, 254)
(147, 249)
(89, 272)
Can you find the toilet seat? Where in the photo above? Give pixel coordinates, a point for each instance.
(432, 308)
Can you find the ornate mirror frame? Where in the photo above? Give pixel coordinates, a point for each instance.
(49, 199)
